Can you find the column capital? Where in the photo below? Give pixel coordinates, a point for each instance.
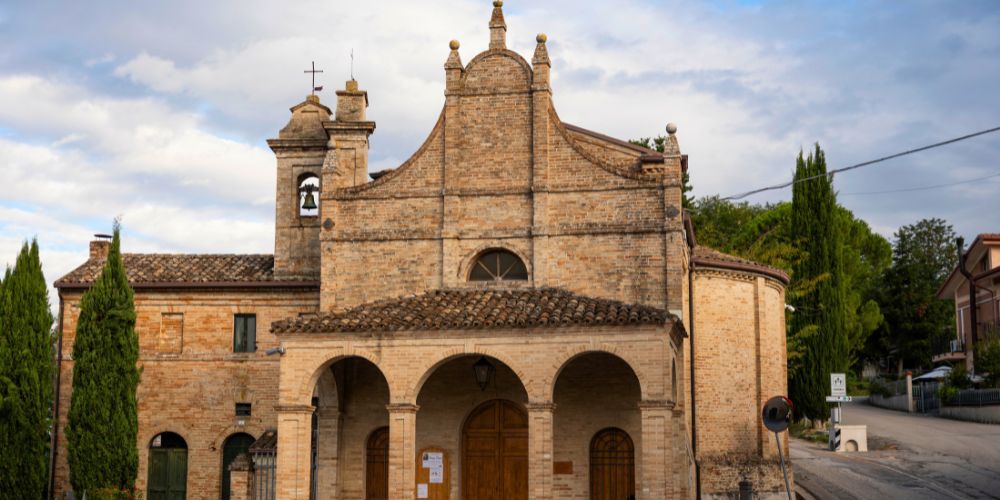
(656, 404)
(295, 409)
(402, 408)
(540, 406)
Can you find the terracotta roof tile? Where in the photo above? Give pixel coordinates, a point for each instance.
(265, 443)
(711, 257)
(452, 309)
(179, 268)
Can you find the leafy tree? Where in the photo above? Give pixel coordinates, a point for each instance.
(26, 369)
(102, 417)
(866, 255)
(818, 229)
(658, 144)
(922, 256)
(718, 222)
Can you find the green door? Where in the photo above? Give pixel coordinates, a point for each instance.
(167, 474)
(236, 445)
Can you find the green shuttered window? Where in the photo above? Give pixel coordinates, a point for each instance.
(245, 333)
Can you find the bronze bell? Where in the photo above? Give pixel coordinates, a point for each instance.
(310, 201)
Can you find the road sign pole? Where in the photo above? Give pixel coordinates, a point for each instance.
(784, 470)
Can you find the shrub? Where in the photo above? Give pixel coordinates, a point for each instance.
(958, 378)
(988, 359)
(946, 393)
(113, 493)
(878, 387)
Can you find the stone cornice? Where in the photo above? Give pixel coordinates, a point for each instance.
(295, 409)
(402, 408)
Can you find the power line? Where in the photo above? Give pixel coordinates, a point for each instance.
(923, 188)
(864, 164)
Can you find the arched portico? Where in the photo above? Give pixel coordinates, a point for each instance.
(425, 348)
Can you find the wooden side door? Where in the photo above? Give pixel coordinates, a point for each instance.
(495, 452)
(167, 474)
(612, 466)
(377, 465)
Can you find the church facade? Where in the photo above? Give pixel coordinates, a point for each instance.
(520, 310)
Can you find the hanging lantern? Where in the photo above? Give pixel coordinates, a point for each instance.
(483, 370)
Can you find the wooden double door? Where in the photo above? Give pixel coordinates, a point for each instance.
(495, 452)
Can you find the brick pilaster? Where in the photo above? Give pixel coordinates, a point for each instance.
(656, 462)
(402, 450)
(540, 450)
(294, 450)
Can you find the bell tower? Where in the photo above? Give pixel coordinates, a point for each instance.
(300, 150)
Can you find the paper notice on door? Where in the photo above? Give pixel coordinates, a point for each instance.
(436, 475)
(422, 490)
(432, 458)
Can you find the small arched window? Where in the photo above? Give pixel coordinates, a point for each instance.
(498, 265)
(308, 195)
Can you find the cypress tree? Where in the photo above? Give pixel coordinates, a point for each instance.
(103, 423)
(819, 321)
(26, 368)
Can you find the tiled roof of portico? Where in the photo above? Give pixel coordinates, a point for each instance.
(454, 309)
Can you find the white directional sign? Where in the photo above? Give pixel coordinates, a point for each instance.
(838, 399)
(838, 384)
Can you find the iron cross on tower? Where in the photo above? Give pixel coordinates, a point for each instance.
(314, 71)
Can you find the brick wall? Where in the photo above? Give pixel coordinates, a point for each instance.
(191, 379)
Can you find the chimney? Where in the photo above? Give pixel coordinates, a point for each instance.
(100, 247)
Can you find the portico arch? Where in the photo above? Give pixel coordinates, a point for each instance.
(595, 391)
(453, 354)
(642, 378)
(304, 393)
(449, 398)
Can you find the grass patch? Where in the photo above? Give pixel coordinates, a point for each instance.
(803, 430)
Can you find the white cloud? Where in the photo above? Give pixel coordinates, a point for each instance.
(164, 120)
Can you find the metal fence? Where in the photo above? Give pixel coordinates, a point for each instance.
(925, 397)
(264, 475)
(976, 397)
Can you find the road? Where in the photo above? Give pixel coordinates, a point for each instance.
(912, 456)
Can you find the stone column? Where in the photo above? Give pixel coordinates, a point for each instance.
(540, 450)
(402, 450)
(656, 462)
(294, 451)
(326, 452)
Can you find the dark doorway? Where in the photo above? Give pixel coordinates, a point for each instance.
(495, 452)
(612, 465)
(377, 465)
(235, 445)
(167, 467)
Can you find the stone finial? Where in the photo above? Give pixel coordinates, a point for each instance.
(454, 60)
(670, 146)
(541, 56)
(498, 27)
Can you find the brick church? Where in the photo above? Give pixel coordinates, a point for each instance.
(520, 310)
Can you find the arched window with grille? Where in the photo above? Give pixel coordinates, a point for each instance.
(498, 264)
(612, 465)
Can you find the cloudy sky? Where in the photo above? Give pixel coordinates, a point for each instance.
(158, 112)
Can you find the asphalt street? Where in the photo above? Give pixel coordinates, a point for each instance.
(911, 456)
